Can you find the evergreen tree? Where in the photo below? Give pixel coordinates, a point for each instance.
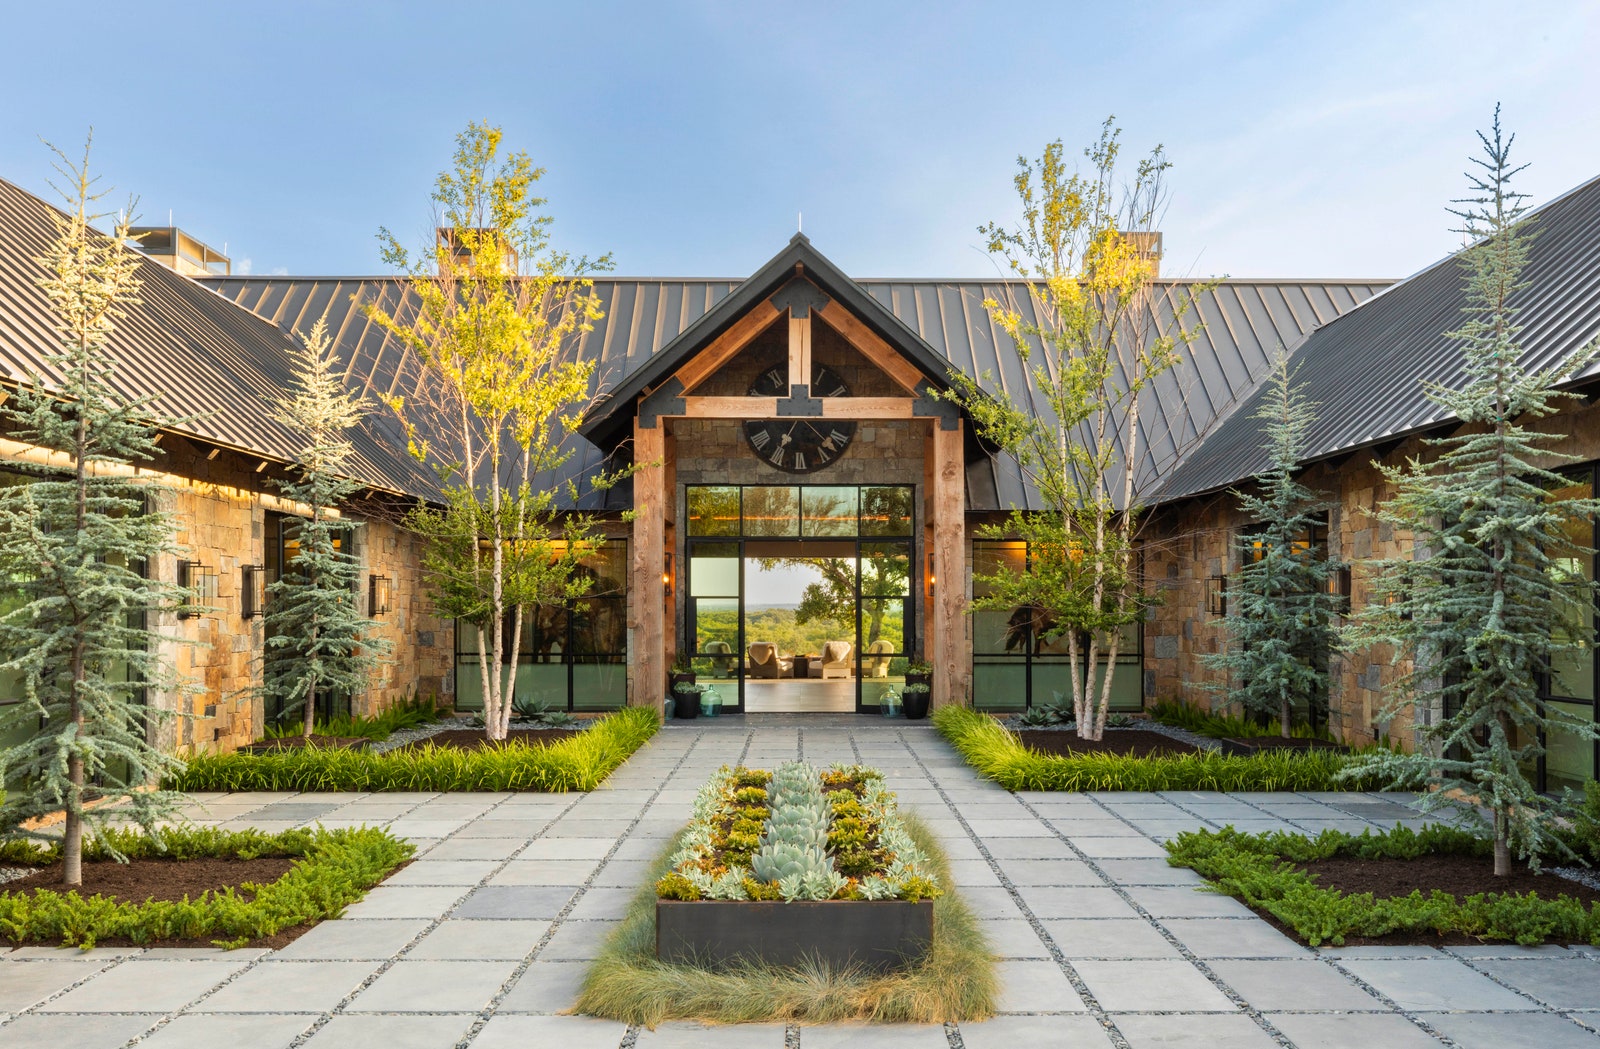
(74, 544)
(1475, 619)
(1280, 616)
(318, 643)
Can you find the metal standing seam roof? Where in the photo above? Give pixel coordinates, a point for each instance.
(1244, 324)
(1366, 370)
(197, 356)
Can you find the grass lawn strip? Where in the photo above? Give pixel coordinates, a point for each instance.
(576, 763)
(1276, 875)
(328, 871)
(956, 983)
(996, 754)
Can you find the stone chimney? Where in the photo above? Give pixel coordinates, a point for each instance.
(1148, 244)
(177, 251)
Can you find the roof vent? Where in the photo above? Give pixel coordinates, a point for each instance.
(176, 250)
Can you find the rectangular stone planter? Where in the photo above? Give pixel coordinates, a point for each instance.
(878, 935)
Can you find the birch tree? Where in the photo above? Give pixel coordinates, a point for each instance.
(1086, 323)
(75, 543)
(1476, 619)
(317, 641)
(493, 315)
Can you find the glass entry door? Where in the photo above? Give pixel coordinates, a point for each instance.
(853, 544)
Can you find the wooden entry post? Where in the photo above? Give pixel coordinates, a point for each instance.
(947, 619)
(646, 602)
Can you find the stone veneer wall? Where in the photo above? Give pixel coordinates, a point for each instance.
(1190, 541)
(219, 506)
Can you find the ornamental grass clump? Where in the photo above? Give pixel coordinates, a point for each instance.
(798, 834)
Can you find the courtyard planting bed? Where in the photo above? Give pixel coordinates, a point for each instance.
(1435, 886)
(194, 887)
(796, 895)
(571, 761)
(997, 754)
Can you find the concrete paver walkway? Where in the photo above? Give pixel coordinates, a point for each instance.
(483, 940)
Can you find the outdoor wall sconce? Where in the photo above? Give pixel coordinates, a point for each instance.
(200, 582)
(666, 576)
(1217, 595)
(1339, 587)
(380, 595)
(252, 591)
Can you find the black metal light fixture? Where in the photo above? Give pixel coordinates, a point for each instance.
(1217, 595)
(380, 595)
(252, 591)
(666, 575)
(201, 583)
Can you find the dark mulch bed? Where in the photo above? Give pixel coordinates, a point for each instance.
(474, 739)
(1461, 876)
(1137, 742)
(141, 880)
(317, 743)
(1255, 744)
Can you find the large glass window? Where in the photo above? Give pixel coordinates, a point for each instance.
(800, 511)
(572, 656)
(1021, 659)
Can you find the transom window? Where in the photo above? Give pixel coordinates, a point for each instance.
(800, 511)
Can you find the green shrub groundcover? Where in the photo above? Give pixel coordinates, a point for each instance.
(580, 762)
(1262, 871)
(996, 754)
(332, 869)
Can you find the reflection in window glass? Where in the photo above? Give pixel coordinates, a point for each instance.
(713, 511)
(882, 662)
(885, 569)
(1569, 756)
(828, 511)
(886, 511)
(772, 511)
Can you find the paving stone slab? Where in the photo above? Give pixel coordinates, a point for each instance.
(1075, 902)
(1194, 1031)
(1012, 938)
(496, 849)
(145, 985)
(40, 1030)
(1119, 848)
(289, 987)
(538, 1032)
(546, 987)
(888, 1036)
(1109, 938)
(443, 872)
(531, 902)
(356, 939)
(24, 984)
(406, 901)
(678, 1035)
(391, 1032)
(433, 987)
(1035, 1032)
(235, 1032)
(1561, 983)
(1294, 984)
(1434, 984)
(545, 872)
(1512, 1031)
(1049, 872)
(461, 940)
(1148, 872)
(1234, 938)
(1181, 901)
(578, 941)
(407, 827)
(603, 904)
(1152, 986)
(1036, 987)
(1028, 848)
(1351, 1031)
(514, 830)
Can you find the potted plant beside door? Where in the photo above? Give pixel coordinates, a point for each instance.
(681, 687)
(918, 690)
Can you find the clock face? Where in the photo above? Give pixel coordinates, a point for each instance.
(799, 446)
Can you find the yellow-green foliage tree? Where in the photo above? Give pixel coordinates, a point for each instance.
(493, 313)
(1093, 340)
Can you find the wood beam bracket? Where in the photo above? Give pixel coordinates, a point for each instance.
(800, 403)
(799, 297)
(666, 399)
(929, 406)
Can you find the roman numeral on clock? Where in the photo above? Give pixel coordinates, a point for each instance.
(799, 460)
(761, 438)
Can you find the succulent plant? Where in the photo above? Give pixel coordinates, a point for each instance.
(778, 861)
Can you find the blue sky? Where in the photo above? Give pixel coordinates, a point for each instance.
(1309, 139)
